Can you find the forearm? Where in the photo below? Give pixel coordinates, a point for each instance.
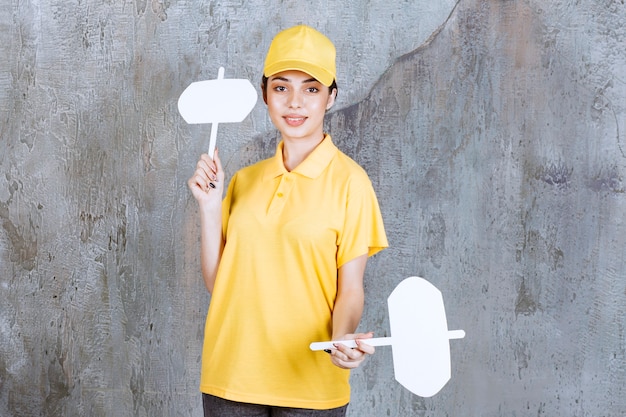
(207, 186)
(347, 315)
(211, 245)
(350, 297)
(347, 312)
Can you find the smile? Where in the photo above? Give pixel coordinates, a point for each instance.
(294, 120)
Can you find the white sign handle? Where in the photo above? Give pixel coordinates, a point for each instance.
(376, 341)
(213, 139)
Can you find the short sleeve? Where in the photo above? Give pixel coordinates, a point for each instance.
(363, 230)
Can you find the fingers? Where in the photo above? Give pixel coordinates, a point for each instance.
(361, 341)
(350, 358)
(360, 336)
(346, 358)
(355, 353)
(200, 181)
(207, 168)
(218, 165)
(364, 347)
(207, 176)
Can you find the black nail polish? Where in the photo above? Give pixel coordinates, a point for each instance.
(211, 185)
(328, 351)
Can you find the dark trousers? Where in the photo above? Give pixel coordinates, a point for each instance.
(219, 407)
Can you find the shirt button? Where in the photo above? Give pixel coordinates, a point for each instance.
(279, 194)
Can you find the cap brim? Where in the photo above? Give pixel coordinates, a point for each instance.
(313, 70)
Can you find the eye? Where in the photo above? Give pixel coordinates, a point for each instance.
(280, 88)
(312, 90)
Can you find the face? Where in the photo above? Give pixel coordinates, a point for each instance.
(296, 103)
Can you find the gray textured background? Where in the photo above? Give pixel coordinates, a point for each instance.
(493, 132)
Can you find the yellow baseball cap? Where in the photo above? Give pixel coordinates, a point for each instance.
(302, 48)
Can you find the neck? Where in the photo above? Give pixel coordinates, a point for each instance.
(296, 151)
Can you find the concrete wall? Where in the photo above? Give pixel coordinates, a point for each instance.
(493, 132)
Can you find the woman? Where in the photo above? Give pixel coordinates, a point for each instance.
(283, 255)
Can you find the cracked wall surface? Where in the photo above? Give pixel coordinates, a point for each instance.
(493, 132)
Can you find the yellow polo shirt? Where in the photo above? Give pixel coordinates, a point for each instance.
(286, 235)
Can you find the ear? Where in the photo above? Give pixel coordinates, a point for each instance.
(264, 90)
(331, 99)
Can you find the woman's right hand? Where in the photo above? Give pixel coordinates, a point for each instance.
(207, 182)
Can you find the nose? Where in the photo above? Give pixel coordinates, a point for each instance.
(295, 99)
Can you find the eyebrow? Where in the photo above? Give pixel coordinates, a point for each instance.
(278, 78)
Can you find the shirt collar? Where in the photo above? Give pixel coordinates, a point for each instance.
(311, 167)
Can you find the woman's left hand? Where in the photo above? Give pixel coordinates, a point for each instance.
(350, 358)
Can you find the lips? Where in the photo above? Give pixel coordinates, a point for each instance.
(294, 119)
